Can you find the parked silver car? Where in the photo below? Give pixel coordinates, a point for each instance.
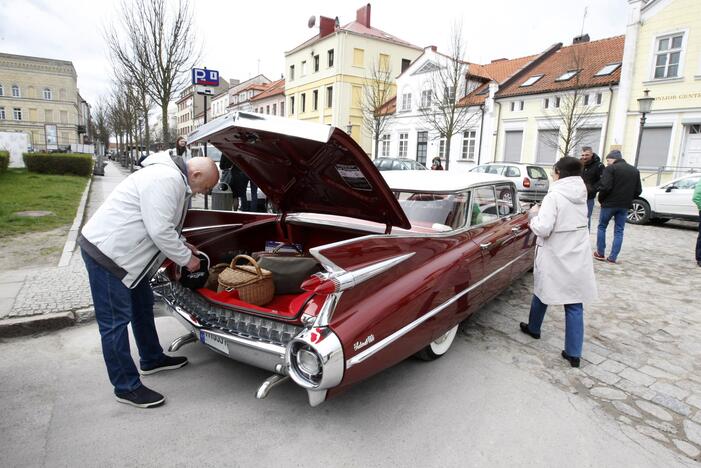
(531, 181)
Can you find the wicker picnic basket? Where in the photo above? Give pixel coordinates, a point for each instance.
(253, 283)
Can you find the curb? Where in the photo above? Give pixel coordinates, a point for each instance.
(22, 326)
(69, 246)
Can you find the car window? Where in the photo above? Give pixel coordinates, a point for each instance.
(396, 166)
(494, 169)
(480, 169)
(385, 165)
(512, 171)
(688, 183)
(506, 200)
(484, 206)
(535, 172)
(442, 212)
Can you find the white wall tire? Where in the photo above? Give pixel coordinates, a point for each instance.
(439, 346)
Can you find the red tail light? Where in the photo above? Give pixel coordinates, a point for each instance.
(313, 282)
(319, 284)
(526, 182)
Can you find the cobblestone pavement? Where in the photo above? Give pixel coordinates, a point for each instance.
(642, 350)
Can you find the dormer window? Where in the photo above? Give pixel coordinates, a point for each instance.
(608, 69)
(532, 80)
(567, 75)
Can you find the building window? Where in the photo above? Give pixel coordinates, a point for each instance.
(546, 103)
(405, 64)
(585, 100)
(532, 80)
(2, 113)
(403, 144)
(406, 101)
(304, 103)
(441, 148)
(292, 72)
(384, 146)
(303, 69)
(316, 63)
(282, 108)
(567, 75)
(667, 54)
(47, 94)
(329, 58)
(315, 99)
(599, 98)
(421, 146)
(468, 145)
(267, 109)
(15, 91)
(2, 90)
(384, 62)
(608, 69)
(329, 95)
(426, 98)
(358, 57)
(17, 113)
(274, 109)
(516, 106)
(292, 105)
(557, 102)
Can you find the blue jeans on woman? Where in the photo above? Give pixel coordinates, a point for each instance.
(574, 324)
(115, 307)
(619, 216)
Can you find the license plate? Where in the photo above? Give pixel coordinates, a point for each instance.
(215, 341)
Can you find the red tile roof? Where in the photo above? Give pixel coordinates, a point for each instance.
(588, 57)
(499, 71)
(273, 89)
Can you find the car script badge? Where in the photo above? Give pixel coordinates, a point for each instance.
(361, 344)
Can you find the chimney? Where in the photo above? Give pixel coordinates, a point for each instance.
(580, 39)
(362, 16)
(433, 48)
(234, 82)
(326, 26)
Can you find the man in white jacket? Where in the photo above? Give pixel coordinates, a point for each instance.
(127, 238)
(563, 272)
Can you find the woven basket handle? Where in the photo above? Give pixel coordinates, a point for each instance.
(250, 260)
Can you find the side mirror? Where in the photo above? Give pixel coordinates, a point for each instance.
(670, 188)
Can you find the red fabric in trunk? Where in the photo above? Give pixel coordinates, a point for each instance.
(284, 305)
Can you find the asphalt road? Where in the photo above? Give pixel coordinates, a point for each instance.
(465, 409)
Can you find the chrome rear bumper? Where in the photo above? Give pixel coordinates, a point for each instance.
(252, 340)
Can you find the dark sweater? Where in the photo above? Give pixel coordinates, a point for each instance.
(591, 174)
(619, 185)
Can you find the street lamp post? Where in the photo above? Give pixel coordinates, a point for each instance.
(644, 106)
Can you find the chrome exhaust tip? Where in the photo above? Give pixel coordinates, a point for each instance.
(272, 381)
(181, 341)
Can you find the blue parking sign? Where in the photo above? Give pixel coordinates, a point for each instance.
(204, 77)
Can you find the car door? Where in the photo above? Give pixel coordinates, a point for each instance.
(490, 233)
(676, 197)
(518, 238)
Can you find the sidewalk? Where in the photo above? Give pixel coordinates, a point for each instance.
(33, 300)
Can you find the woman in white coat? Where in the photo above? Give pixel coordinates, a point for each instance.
(563, 272)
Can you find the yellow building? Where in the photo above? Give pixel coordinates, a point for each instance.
(663, 55)
(39, 98)
(326, 74)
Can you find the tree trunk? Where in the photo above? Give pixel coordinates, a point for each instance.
(164, 123)
(147, 133)
(377, 138)
(447, 152)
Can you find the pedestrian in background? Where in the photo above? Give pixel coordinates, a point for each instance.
(591, 174)
(436, 164)
(563, 271)
(122, 244)
(238, 181)
(181, 148)
(696, 198)
(619, 185)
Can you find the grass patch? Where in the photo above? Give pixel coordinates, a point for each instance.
(24, 191)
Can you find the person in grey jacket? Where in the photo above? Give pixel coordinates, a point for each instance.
(122, 244)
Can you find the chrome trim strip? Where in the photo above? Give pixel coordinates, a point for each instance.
(380, 345)
(212, 226)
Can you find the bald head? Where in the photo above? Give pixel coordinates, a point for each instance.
(202, 174)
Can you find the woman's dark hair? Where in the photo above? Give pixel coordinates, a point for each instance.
(180, 150)
(568, 167)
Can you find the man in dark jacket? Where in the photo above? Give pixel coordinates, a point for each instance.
(619, 185)
(592, 168)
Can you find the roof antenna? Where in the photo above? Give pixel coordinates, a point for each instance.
(584, 17)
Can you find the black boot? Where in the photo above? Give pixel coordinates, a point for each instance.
(527, 331)
(574, 361)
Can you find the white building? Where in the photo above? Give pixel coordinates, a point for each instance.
(272, 100)
(241, 94)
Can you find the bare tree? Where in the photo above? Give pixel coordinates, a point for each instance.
(569, 112)
(158, 50)
(377, 90)
(101, 122)
(439, 100)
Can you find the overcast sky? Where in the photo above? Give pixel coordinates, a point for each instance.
(241, 38)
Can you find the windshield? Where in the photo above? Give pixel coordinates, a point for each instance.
(437, 211)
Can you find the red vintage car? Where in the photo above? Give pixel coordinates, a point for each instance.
(405, 256)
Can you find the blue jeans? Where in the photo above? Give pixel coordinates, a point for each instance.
(698, 242)
(619, 216)
(574, 324)
(590, 210)
(115, 307)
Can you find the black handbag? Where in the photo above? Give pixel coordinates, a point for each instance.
(289, 271)
(196, 279)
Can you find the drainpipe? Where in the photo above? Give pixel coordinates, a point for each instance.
(479, 150)
(608, 116)
(496, 141)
